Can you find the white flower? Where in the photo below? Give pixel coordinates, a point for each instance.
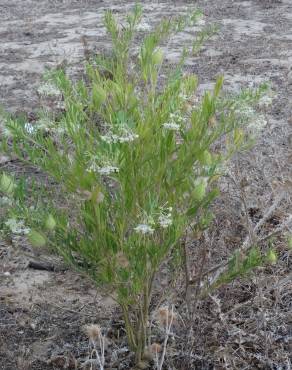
(17, 227)
(171, 126)
(29, 128)
(48, 89)
(107, 170)
(144, 229)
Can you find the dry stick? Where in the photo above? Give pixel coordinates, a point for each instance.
(187, 274)
(242, 198)
(275, 232)
(100, 359)
(168, 326)
(281, 282)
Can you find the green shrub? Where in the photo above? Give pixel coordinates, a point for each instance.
(137, 160)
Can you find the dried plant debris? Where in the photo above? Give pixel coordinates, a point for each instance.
(243, 325)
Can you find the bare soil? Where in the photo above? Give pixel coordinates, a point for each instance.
(245, 325)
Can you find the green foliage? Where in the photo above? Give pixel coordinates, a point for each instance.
(136, 161)
(242, 264)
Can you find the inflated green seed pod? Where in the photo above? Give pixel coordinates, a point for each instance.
(157, 57)
(7, 184)
(50, 223)
(271, 257)
(36, 239)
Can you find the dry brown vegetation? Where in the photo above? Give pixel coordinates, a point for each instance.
(243, 325)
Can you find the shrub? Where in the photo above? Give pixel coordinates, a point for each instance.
(138, 155)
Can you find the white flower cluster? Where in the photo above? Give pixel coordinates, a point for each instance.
(144, 229)
(17, 227)
(171, 126)
(165, 218)
(175, 122)
(107, 170)
(48, 89)
(126, 136)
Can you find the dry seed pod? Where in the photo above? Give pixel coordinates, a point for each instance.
(93, 331)
(151, 352)
(143, 365)
(122, 260)
(155, 348)
(165, 316)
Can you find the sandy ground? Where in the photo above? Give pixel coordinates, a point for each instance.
(42, 312)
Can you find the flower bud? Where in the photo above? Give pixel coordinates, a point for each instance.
(7, 184)
(50, 223)
(36, 239)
